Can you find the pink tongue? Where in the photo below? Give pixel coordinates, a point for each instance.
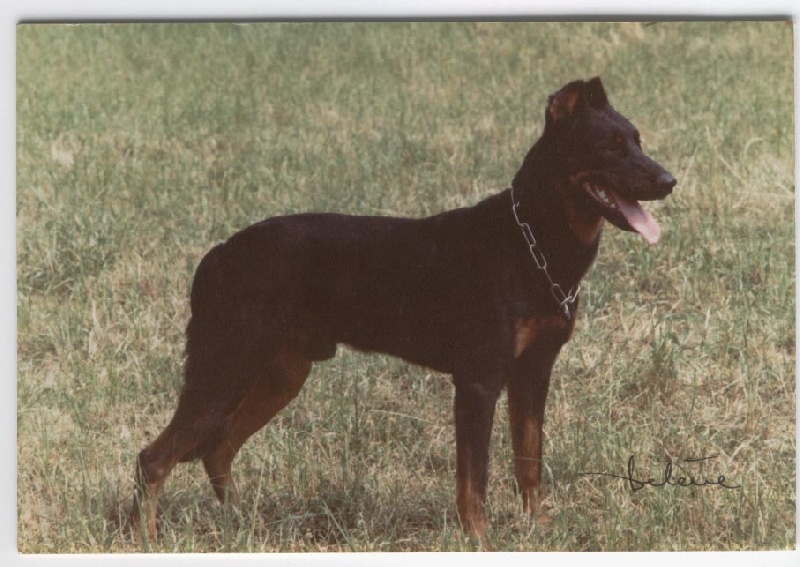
(642, 221)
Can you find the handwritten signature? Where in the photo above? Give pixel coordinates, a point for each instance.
(636, 484)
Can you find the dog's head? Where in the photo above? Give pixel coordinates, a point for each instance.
(598, 155)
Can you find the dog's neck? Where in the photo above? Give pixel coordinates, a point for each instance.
(568, 237)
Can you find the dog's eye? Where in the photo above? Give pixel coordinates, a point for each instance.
(617, 145)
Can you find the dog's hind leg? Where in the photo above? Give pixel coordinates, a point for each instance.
(283, 378)
(195, 424)
(218, 374)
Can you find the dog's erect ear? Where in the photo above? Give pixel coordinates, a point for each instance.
(595, 93)
(562, 104)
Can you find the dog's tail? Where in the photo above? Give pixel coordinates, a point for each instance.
(228, 312)
(208, 298)
(211, 307)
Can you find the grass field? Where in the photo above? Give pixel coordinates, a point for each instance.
(141, 146)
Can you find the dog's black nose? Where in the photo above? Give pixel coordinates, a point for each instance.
(666, 182)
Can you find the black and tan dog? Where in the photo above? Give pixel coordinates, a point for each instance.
(487, 293)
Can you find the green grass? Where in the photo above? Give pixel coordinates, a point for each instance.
(141, 146)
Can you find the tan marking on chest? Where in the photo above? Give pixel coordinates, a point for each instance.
(528, 330)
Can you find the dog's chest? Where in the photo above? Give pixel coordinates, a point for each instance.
(552, 328)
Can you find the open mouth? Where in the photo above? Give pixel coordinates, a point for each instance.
(625, 213)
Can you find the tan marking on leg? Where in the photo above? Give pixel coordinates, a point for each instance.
(147, 486)
(525, 334)
(526, 331)
(469, 502)
(526, 402)
(262, 402)
(526, 435)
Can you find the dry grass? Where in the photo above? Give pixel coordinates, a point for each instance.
(140, 146)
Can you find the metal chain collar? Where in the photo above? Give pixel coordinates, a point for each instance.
(564, 300)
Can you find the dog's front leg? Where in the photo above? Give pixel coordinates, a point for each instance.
(527, 393)
(474, 409)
